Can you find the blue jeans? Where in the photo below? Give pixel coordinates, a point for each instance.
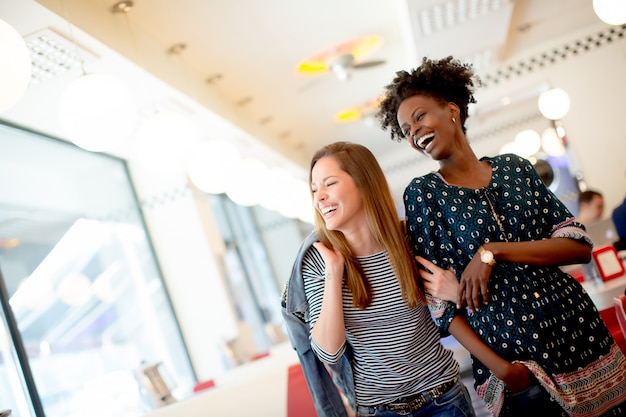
(454, 403)
(532, 401)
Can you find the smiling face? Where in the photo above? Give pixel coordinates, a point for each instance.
(428, 125)
(336, 196)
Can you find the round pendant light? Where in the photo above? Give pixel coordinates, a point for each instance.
(612, 12)
(211, 164)
(16, 69)
(97, 112)
(165, 140)
(527, 143)
(554, 104)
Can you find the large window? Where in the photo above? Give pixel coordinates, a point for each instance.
(82, 281)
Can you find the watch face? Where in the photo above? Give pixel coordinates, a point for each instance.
(486, 257)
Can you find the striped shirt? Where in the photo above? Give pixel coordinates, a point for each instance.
(397, 350)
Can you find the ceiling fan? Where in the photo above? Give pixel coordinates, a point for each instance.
(342, 59)
(343, 66)
(365, 111)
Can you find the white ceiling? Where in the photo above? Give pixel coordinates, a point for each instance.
(249, 50)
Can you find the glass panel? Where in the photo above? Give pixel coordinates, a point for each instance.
(83, 283)
(13, 392)
(255, 240)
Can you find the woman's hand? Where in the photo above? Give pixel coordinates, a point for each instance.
(333, 260)
(473, 285)
(516, 377)
(438, 282)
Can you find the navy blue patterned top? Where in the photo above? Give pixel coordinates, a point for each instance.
(535, 313)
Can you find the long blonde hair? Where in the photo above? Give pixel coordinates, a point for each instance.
(382, 219)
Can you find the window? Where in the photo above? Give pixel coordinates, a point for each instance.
(84, 287)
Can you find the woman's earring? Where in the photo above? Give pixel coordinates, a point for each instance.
(453, 120)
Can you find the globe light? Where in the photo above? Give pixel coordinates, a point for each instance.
(297, 202)
(551, 143)
(164, 142)
(15, 71)
(97, 112)
(210, 165)
(247, 181)
(554, 104)
(279, 178)
(528, 142)
(612, 12)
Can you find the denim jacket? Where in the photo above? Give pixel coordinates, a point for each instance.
(322, 384)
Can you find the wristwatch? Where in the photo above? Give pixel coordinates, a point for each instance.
(486, 256)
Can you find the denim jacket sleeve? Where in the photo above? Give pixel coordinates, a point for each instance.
(322, 384)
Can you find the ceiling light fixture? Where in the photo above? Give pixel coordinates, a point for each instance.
(365, 111)
(211, 164)
(164, 142)
(527, 143)
(612, 12)
(551, 143)
(343, 58)
(14, 78)
(554, 104)
(177, 48)
(214, 78)
(122, 6)
(455, 12)
(97, 111)
(53, 55)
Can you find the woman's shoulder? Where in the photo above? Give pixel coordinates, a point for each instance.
(509, 164)
(506, 159)
(425, 180)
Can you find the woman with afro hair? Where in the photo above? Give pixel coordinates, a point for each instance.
(493, 223)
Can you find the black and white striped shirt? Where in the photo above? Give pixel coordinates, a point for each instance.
(397, 350)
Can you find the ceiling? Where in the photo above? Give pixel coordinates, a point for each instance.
(240, 56)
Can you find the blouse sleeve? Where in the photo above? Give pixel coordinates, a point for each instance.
(563, 223)
(421, 229)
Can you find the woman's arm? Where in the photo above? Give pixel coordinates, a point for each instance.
(555, 251)
(443, 284)
(329, 331)
(514, 375)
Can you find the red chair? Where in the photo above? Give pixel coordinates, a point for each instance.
(204, 385)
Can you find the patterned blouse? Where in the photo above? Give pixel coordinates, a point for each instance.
(536, 314)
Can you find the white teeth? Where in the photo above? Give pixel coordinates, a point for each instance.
(327, 209)
(422, 141)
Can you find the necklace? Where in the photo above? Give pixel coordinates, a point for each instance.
(495, 215)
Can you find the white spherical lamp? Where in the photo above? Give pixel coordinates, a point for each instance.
(297, 202)
(551, 143)
(612, 12)
(247, 181)
(554, 104)
(97, 112)
(16, 68)
(165, 140)
(528, 142)
(211, 165)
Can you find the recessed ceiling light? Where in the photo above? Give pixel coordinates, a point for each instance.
(52, 55)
